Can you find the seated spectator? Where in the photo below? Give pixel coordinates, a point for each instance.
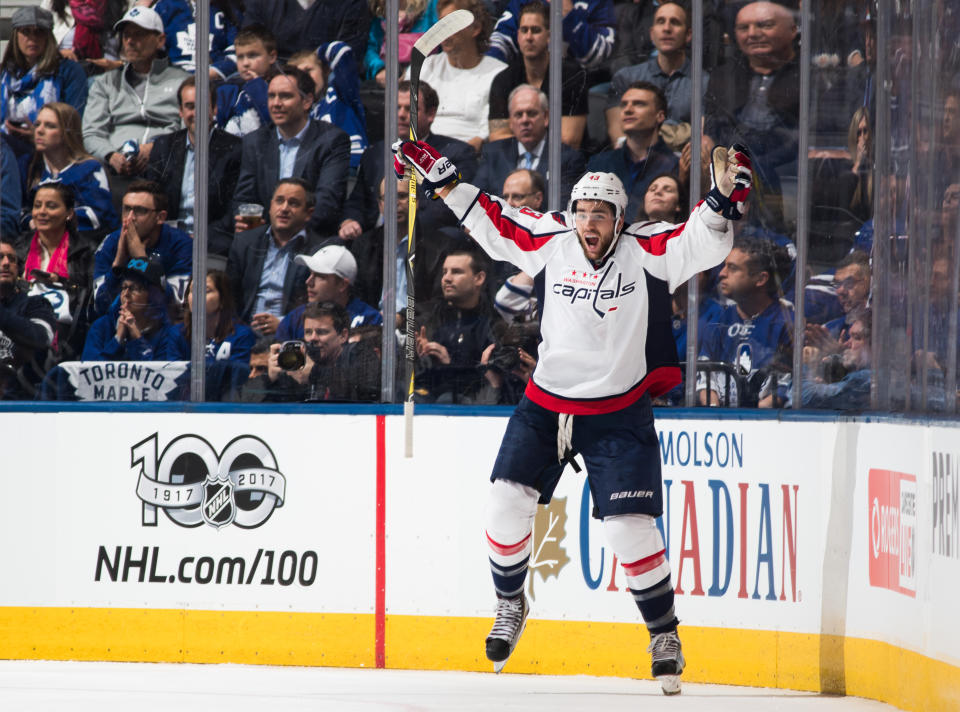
(529, 119)
(670, 70)
(61, 156)
(755, 100)
(860, 145)
(516, 299)
(588, 32)
(137, 326)
(457, 330)
(462, 76)
(665, 200)
(59, 264)
(368, 253)
(228, 338)
(26, 330)
(840, 381)
(34, 74)
(242, 99)
(852, 284)
(532, 67)
(643, 154)
(264, 278)
(330, 366)
(259, 356)
(295, 146)
(754, 334)
(332, 270)
(307, 24)
(11, 190)
(334, 71)
(361, 212)
(84, 30)
(416, 17)
(948, 156)
(136, 102)
(143, 232)
(508, 363)
(172, 166)
(181, 31)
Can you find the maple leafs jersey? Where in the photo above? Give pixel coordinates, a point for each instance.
(606, 331)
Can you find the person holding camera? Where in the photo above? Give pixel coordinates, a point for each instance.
(325, 366)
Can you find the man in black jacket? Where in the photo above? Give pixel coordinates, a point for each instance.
(266, 280)
(26, 329)
(295, 146)
(171, 165)
(361, 210)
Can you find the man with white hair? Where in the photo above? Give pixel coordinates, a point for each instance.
(607, 348)
(332, 270)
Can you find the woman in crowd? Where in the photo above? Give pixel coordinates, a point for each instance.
(860, 145)
(59, 264)
(228, 339)
(137, 327)
(34, 74)
(664, 201)
(462, 75)
(61, 156)
(84, 32)
(416, 17)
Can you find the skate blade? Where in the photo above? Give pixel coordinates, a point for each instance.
(498, 666)
(670, 684)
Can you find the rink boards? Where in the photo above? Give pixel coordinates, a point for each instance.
(807, 554)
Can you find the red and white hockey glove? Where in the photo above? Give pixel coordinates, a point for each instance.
(730, 180)
(433, 170)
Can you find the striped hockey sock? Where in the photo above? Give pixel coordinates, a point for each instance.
(508, 564)
(654, 597)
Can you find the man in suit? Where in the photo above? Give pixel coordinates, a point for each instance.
(267, 281)
(172, 165)
(529, 119)
(361, 210)
(295, 146)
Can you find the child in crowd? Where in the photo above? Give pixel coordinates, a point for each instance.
(242, 99)
(334, 70)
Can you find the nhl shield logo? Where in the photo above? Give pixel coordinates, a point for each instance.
(218, 507)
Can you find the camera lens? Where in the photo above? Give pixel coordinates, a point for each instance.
(291, 356)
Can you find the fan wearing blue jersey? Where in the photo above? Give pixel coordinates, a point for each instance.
(607, 348)
(755, 333)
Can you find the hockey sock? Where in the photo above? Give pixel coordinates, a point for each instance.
(637, 542)
(510, 514)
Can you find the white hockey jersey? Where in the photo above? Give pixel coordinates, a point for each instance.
(607, 336)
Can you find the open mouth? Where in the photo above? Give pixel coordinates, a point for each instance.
(592, 242)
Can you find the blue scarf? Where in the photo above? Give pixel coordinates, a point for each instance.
(21, 98)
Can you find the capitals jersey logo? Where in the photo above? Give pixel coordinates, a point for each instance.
(602, 292)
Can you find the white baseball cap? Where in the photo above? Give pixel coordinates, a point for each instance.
(145, 17)
(332, 259)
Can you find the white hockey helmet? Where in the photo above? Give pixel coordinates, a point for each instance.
(600, 186)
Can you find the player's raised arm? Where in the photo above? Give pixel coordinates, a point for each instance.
(517, 235)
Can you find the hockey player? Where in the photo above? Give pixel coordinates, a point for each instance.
(607, 348)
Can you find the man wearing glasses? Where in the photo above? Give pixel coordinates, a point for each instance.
(143, 232)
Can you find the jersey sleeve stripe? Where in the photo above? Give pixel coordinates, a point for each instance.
(511, 230)
(656, 244)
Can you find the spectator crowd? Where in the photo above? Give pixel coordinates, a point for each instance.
(98, 111)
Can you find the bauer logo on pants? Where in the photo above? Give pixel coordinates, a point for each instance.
(194, 485)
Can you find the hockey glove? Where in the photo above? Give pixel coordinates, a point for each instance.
(433, 170)
(730, 180)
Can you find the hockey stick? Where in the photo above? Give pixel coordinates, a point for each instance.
(431, 39)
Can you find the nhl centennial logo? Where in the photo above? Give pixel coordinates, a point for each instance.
(194, 485)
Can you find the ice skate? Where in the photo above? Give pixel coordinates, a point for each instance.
(668, 662)
(510, 622)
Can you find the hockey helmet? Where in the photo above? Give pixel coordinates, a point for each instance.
(600, 186)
